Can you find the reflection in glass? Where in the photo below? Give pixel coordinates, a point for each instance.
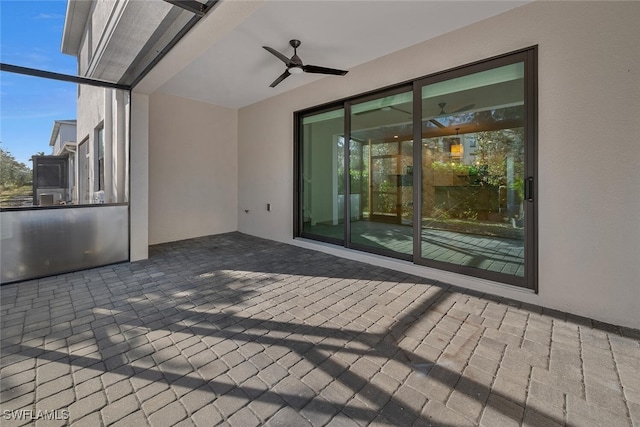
(473, 170)
(322, 174)
(381, 174)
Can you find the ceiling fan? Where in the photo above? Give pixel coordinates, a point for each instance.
(444, 113)
(459, 110)
(295, 65)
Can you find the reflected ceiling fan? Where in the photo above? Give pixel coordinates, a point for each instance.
(444, 113)
(295, 65)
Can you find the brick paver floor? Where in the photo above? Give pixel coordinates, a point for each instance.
(240, 331)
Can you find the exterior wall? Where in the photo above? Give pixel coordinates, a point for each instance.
(108, 108)
(84, 53)
(66, 134)
(101, 14)
(192, 169)
(89, 116)
(97, 27)
(589, 102)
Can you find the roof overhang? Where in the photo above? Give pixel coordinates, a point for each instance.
(68, 147)
(75, 21)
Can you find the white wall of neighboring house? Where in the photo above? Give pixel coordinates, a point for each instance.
(193, 169)
(109, 109)
(90, 115)
(66, 134)
(589, 104)
(101, 108)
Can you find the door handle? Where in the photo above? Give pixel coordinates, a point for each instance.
(529, 189)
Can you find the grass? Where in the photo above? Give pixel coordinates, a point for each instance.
(12, 196)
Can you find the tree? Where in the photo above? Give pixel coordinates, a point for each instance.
(494, 147)
(13, 174)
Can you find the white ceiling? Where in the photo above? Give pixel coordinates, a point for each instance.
(235, 71)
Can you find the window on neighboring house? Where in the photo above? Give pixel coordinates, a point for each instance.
(99, 182)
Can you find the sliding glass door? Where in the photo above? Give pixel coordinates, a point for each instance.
(381, 173)
(475, 170)
(439, 171)
(322, 181)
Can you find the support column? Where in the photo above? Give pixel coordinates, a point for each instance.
(139, 167)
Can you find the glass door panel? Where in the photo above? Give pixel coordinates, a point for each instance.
(473, 172)
(322, 175)
(381, 174)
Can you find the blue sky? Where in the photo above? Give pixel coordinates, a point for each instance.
(30, 36)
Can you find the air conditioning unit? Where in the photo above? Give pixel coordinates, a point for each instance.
(46, 199)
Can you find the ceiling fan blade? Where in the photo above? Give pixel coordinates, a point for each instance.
(401, 110)
(465, 108)
(323, 70)
(281, 78)
(278, 55)
(437, 123)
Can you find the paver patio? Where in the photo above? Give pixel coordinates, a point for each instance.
(240, 331)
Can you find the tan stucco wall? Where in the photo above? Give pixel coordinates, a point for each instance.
(192, 169)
